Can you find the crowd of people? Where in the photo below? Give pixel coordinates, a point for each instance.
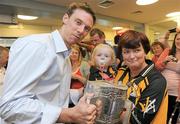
(46, 74)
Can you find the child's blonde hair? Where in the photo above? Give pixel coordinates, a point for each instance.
(101, 46)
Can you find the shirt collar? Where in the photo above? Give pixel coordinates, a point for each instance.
(147, 69)
(59, 43)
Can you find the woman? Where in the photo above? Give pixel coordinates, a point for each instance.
(80, 68)
(146, 85)
(80, 71)
(160, 49)
(171, 72)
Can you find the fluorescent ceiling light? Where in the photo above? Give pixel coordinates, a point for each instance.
(145, 2)
(103, 22)
(117, 28)
(156, 33)
(26, 17)
(173, 14)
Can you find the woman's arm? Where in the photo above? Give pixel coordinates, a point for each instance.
(79, 77)
(164, 39)
(159, 64)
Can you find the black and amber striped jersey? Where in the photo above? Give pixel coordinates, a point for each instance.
(146, 91)
(96, 74)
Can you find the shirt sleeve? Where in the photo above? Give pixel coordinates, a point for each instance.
(27, 63)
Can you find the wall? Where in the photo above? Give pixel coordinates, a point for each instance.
(22, 30)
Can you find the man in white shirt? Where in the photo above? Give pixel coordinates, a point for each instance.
(37, 80)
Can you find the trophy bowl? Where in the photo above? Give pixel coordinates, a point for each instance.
(112, 100)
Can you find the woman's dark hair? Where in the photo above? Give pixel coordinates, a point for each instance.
(173, 49)
(157, 43)
(83, 6)
(132, 39)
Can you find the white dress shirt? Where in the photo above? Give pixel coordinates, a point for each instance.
(37, 80)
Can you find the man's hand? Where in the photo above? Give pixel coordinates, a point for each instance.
(82, 113)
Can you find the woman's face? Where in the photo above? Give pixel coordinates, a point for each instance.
(157, 50)
(177, 41)
(74, 55)
(134, 58)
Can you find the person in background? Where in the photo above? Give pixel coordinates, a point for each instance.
(80, 71)
(146, 85)
(119, 58)
(37, 81)
(4, 55)
(96, 37)
(171, 72)
(102, 59)
(80, 68)
(160, 48)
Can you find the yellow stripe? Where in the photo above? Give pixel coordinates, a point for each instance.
(119, 74)
(142, 85)
(142, 107)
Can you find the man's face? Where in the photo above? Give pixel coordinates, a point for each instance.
(76, 26)
(97, 40)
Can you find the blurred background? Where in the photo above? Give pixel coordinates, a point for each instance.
(113, 16)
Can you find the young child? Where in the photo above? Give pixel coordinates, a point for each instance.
(102, 59)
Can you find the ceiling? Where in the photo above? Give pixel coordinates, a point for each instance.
(122, 11)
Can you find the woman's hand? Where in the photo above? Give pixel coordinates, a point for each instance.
(169, 59)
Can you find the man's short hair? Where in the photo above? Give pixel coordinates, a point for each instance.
(83, 6)
(97, 31)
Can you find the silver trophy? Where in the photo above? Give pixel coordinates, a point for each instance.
(112, 99)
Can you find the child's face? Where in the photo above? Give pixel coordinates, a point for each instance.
(103, 57)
